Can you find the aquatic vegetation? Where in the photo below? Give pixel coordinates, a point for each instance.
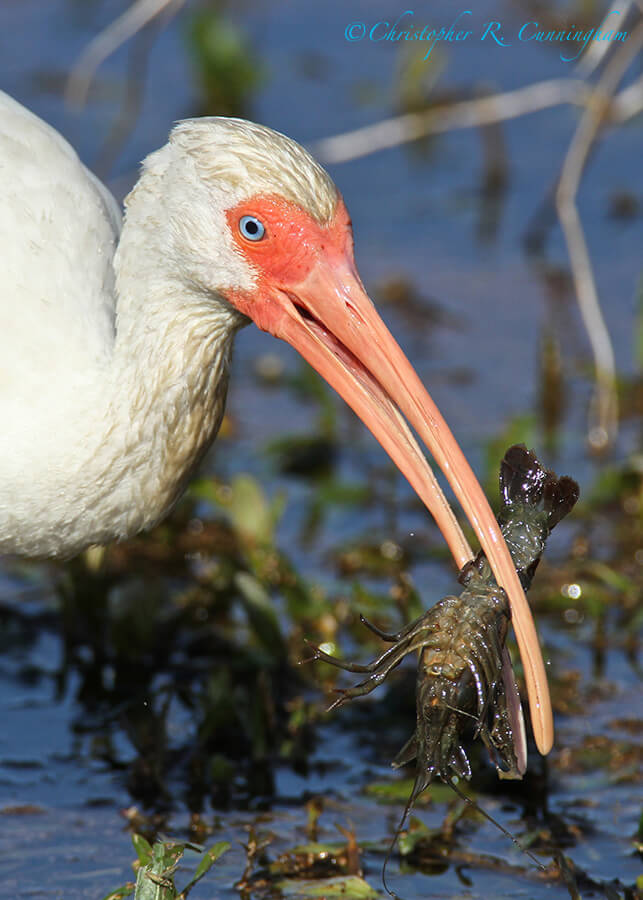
(227, 66)
(157, 864)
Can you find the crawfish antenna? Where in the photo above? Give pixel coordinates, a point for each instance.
(472, 803)
(418, 787)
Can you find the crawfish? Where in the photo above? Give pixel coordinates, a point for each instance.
(465, 680)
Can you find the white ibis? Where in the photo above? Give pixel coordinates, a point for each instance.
(115, 344)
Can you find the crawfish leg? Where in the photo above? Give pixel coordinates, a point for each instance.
(414, 637)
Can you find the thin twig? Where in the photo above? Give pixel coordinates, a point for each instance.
(132, 99)
(595, 53)
(605, 407)
(628, 103)
(110, 39)
(465, 114)
(397, 130)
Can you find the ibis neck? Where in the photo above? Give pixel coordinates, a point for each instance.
(168, 375)
(165, 390)
(168, 389)
(118, 423)
(128, 433)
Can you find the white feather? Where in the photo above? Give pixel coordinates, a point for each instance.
(114, 352)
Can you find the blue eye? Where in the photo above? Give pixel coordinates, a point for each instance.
(251, 228)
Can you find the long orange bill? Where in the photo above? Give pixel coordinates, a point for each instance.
(332, 323)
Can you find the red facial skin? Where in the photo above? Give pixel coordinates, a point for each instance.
(308, 293)
(289, 250)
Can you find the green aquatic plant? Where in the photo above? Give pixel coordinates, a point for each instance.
(225, 62)
(157, 865)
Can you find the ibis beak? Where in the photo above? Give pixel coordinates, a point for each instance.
(329, 319)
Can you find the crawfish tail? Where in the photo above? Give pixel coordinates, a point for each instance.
(525, 481)
(534, 500)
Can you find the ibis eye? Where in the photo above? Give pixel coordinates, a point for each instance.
(251, 228)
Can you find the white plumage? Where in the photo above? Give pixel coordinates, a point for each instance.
(107, 404)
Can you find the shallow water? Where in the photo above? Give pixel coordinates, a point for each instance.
(416, 217)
